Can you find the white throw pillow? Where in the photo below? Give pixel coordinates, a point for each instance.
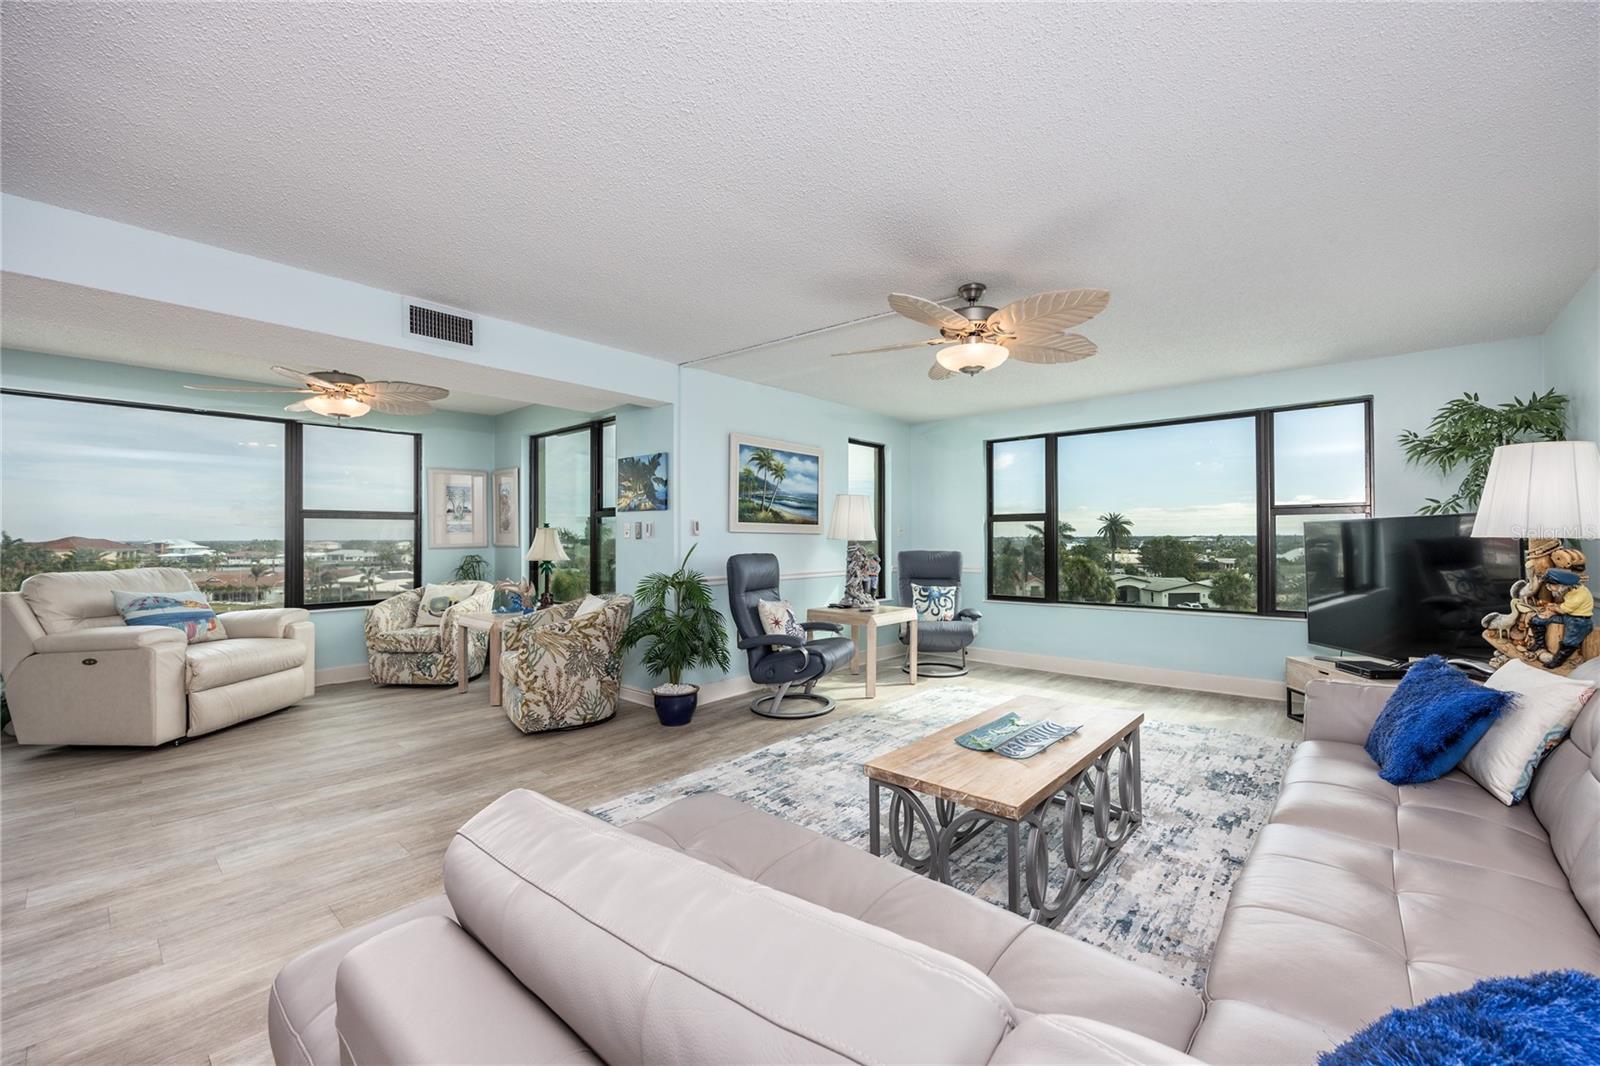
(1503, 762)
(591, 603)
(777, 616)
(437, 599)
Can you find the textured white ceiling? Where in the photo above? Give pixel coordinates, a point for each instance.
(48, 316)
(1259, 185)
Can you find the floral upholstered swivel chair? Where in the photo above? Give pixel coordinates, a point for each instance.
(558, 671)
(400, 652)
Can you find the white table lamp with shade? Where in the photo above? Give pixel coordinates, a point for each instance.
(546, 550)
(853, 521)
(1544, 492)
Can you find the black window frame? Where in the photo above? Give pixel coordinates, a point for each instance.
(1268, 510)
(597, 511)
(294, 515)
(880, 502)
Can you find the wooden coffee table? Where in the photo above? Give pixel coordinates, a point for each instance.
(1094, 773)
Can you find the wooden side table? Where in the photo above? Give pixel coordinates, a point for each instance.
(482, 622)
(886, 614)
(1299, 669)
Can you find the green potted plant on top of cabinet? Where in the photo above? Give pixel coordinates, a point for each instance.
(680, 629)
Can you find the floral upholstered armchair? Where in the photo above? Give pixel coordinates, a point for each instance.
(400, 652)
(558, 671)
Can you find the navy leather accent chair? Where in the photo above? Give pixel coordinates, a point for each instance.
(936, 568)
(777, 660)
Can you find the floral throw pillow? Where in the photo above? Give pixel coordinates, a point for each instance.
(188, 612)
(934, 603)
(777, 617)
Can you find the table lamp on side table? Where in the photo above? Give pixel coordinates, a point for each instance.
(546, 550)
(852, 521)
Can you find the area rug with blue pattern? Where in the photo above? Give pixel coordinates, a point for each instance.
(1207, 792)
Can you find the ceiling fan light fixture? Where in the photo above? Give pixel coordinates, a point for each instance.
(337, 406)
(972, 356)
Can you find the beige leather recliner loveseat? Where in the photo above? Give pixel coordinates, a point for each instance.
(75, 673)
(710, 932)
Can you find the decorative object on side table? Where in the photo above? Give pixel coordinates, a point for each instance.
(507, 522)
(773, 486)
(1546, 492)
(458, 509)
(546, 550)
(852, 522)
(642, 482)
(680, 629)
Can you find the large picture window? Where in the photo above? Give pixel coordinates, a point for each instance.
(258, 511)
(575, 492)
(1203, 514)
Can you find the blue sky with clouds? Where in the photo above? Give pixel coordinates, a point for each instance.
(1197, 478)
(93, 470)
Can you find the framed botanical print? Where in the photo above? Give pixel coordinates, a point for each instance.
(458, 511)
(774, 486)
(506, 488)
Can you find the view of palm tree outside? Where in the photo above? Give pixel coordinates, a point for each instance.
(102, 487)
(1166, 516)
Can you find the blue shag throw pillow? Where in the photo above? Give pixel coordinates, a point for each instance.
(1431, 722)
(1547, 1019)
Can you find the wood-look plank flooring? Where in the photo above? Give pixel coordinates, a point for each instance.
(147, 897)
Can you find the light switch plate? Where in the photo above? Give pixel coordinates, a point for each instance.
(694, 527)
(627, 531)
(649, 530)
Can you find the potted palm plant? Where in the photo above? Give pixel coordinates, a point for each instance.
(675, 620)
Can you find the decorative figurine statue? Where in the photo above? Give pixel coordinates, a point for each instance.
(861, 570)
(1551, 618)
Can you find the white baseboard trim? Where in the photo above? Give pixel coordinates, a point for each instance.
(338, 675)
(1138, 674)
(741, 685)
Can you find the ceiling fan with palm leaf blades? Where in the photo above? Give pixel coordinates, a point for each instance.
(977, 337)
(338, 395)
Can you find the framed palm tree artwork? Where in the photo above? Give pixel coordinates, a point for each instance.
(642, 482)
(774, 486)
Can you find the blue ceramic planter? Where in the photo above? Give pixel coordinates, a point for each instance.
(676, 710)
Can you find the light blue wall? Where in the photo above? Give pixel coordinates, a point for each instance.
(948, 497)
(449, 439)
(1572, 367)
(710, 407)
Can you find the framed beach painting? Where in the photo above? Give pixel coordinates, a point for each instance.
(642, 482)
(505, 488)
(774, 486)
(458, 511)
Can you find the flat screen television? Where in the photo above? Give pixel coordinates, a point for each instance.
(1394, 588)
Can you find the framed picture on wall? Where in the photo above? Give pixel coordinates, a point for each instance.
(774, 486)
(458, 509)
(642, 482)
(506, 488)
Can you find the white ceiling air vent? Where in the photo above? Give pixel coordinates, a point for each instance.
(440, 325)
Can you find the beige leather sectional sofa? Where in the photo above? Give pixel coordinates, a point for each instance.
(711, 932)
(75, 673)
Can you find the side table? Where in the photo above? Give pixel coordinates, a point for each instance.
(885, 614)
(482, 622)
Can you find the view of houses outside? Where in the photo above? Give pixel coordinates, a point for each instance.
(1165, 516)
(102, 487)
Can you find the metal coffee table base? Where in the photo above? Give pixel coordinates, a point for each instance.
(1087, 798)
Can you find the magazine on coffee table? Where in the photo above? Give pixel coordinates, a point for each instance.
(1014, 738)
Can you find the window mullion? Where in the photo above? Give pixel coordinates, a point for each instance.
(1052, 546)
(294, 524)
